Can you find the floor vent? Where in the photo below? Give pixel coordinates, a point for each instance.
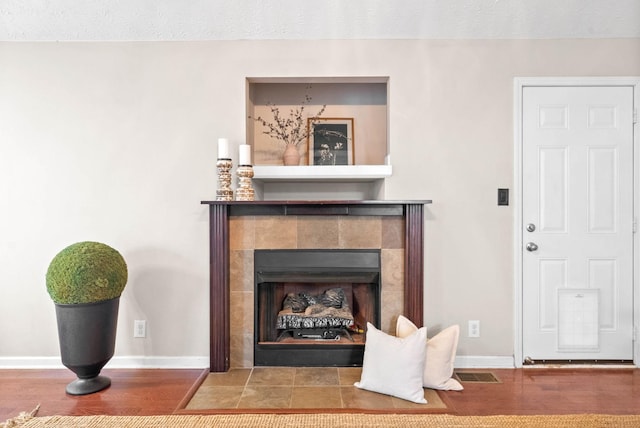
(477, 377)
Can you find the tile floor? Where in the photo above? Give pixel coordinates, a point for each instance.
(297, 388)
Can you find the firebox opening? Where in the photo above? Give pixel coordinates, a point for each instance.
(312, 306)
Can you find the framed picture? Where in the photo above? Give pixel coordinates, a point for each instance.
(330, 141)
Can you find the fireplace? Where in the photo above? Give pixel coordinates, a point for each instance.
(238, 228)
(312, 305)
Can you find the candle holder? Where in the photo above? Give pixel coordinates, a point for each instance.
(245, 192)
(224, 191)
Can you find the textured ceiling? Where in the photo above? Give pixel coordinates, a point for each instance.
(317, 19)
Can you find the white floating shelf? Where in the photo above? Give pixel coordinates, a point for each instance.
(339, 173)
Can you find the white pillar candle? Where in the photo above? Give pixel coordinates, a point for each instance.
(245, 154)
(223, 148)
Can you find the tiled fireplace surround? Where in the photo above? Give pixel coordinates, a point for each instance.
(237, 229)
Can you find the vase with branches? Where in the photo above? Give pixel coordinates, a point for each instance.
(292, 129)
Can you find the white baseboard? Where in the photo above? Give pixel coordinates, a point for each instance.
(132, 362)
(137, 362)
(30, 363)
(483, 362)
(158, 363)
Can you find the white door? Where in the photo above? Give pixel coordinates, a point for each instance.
(577, 223)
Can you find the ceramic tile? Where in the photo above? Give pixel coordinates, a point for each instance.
(349, 375)
(317, 232)
(275, 376)
(301, 388)
(392, 307)
(266, 397)
(392, 294)
(316, 397)
(360, 232)
(393, 232)
(392, 268)
(234, 377)
(432, 397)
(241, 270)
(216, 397)
(241, 233)
(274, 232)
(316, 376)
(241, 311)
(353, 397)
(241, 350)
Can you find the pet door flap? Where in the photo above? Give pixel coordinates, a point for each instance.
(578, 328)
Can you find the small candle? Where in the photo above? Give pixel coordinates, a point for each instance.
(223, 148)
(245, 154)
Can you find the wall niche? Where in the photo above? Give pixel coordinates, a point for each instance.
(363, 99)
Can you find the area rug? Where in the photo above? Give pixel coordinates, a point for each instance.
(329, 421)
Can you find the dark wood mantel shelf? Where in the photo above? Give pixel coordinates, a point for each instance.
(220, 211)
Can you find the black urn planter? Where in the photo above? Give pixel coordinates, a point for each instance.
(87, 335)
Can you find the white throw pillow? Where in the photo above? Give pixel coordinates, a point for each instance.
(394, 365)
(441, 353)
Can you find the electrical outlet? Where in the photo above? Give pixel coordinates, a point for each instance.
(474, 328)
(140, 328)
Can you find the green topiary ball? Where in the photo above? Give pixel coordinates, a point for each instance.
(86, 272)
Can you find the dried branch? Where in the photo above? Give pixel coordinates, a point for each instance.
(291, 130)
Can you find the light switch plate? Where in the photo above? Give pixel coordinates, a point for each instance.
(503, 196)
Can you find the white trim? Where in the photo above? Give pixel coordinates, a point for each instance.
(158, 362)
(132, 362)
(519, 84)
(30, 363)
(517, 222)
(483, 362)
(636, 214)
(137, 362)
(341, 173)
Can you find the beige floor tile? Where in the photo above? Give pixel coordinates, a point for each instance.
(432, 397)
(355, 398)
(234, 377)
(316, 376)
(301, 387)
(349, 375)
(266, 397)
(272, 376)
(316, 397)
(216, 397)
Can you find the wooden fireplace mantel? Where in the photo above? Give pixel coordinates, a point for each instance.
(219, 213)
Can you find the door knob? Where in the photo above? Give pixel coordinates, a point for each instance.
(531, 227)
(531, 246)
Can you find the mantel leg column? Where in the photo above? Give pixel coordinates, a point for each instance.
(414, 263)
(219, 340)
